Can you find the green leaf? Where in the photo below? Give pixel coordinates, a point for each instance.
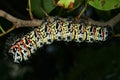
(46, 5)
(104, 4)
(66, 3)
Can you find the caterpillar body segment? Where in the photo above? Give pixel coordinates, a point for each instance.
(59, 30)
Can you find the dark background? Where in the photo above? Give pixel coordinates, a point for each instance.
(60, 60)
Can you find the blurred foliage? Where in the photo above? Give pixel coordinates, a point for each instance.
(47, 5)
(105, 4)
(61, 60)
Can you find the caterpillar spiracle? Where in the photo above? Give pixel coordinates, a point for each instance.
(58, 30)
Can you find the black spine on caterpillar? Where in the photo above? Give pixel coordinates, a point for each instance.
(58, 30)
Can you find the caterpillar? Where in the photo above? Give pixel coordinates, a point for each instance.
(58, 30)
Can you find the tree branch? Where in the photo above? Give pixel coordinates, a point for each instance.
(112, 22)
(17, 23)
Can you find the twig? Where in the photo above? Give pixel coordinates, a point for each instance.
(9, 30)
(19, 22)
(44, 12)
(83, 10)
(116, 35)
(112, 22)
(94, 22)
(29, 10)
(2, 29)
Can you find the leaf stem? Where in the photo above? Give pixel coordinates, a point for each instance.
(9, 30)
(2, 29)
(29, 10)
(83, 10)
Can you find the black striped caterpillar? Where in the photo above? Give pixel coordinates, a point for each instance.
(58, 30)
